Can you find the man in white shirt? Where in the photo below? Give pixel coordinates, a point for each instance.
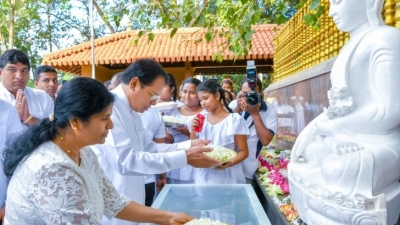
(115, 80)
(46, 79)
(10, 127)
(153, 121)
(31, 104)
(130, 152)
(262, 123)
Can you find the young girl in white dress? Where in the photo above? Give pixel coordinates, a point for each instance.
(223, 128)
(186, 112)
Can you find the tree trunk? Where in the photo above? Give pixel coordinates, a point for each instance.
(100, 12)
(12, 25)
(3, 46)
(49, 25)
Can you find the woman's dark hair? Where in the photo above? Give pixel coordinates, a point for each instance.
(227, 81)
(172, 84)
(230, 96)
(212, 86)
(80, 98)
(63, 82)
(146, 70)
(191, 80)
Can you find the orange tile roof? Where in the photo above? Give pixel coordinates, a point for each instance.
(119, 48)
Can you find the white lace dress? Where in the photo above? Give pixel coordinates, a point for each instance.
(49, 188)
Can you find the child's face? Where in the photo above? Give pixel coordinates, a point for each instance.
(227, 87)
(189, 95)
(208, 101)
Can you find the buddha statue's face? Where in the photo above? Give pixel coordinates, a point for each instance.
(348, 14)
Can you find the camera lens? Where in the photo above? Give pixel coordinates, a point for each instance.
(253, 99)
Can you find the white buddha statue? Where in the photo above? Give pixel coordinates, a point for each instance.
(345, 165)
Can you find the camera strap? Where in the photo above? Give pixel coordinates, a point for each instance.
(263, 107)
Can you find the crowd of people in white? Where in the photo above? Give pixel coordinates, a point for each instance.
(88, 155)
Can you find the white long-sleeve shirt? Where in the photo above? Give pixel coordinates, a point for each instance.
(129, 153)
(39, 102)
(10, 127)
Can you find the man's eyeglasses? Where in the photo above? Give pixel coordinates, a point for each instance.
(153, 96)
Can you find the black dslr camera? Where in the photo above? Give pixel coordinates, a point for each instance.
(253, 98)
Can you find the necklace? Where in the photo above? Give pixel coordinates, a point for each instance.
(69, 153)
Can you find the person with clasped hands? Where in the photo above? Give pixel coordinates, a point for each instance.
(129, 152)
(55, 176)
(31, 104)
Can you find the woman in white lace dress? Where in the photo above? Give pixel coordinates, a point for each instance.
(223, 128)
(56, 178)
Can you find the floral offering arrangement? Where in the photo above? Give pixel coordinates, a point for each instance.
(171, 119)
(273, 173)
(287, 208)
(165, 106)
(205, 221)
(221, 153)
(287, 136)
(289, 211)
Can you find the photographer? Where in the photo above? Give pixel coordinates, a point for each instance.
(261, 120)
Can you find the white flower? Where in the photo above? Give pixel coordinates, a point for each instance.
(171, 119)
(221, 153)
(205, 221)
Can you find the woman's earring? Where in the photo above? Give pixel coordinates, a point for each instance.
(75, 128)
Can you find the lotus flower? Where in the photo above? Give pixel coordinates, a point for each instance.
(285, 187)
(283, 163)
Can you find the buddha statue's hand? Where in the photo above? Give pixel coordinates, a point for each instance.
(325, 127)
(302, 142)
(320, 126)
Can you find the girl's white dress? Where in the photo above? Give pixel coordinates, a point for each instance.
(49, 188)
(184, 175)
(222, 134)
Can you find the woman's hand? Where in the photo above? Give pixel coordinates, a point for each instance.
(224, 165)
(2, 214)
(195, 123)
(179, 218)
(184, 130)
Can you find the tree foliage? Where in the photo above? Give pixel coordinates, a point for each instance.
(229, 19)
(40, 26)
(46, 25)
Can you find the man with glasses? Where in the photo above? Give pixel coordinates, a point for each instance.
(130, 152)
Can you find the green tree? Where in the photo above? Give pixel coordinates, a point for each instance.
(229, 19)
(37, 26)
